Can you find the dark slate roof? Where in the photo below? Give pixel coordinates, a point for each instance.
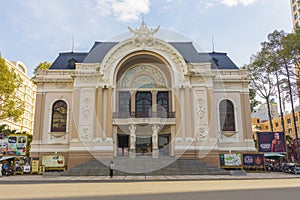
(221, 61)
(62, 61)
(186, 49)
(98, 51)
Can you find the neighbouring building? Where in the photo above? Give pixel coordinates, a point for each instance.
(264, 126)
(295, 7)
(142, 96)
(26, 93)
(262, 111)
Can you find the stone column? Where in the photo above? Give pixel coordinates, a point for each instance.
(132, 101)
(154, 104)
(132, 152)
(155, 150)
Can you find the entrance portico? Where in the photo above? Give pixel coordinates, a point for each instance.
(144, 140)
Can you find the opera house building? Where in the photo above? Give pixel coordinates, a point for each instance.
(142, 97)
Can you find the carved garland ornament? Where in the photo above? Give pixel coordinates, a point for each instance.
(201, 108)
(86, 107)
(201, 132)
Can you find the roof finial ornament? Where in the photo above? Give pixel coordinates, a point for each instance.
(143, 35)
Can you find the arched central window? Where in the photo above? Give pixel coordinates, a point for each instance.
(143, 103)
(59, 116)
(226, 110)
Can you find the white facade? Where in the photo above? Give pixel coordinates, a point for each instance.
(142, 97)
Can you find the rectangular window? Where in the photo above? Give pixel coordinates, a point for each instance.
(124, 104)
(296, 16)
(288, 120)
(276, 124)
(294, 8)
(293, 1)
(267, 127)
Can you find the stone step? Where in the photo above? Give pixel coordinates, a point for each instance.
(146, 166)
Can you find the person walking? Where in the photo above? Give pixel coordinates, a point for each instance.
(0, 169)
(111, 169)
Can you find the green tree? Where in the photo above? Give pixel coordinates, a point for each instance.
(11, 105)
(262, 78)
(253, 101)
(42, 65)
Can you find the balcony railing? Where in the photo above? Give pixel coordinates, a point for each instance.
(142, 114)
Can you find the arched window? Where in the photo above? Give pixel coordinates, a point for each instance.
(226, 110)
(59, 117)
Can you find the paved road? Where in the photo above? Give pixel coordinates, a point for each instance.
(274, 189)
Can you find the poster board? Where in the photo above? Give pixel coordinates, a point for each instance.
(54, 162)
(254, 162)
(271, 142)
(13, 145)
(231, 161)
(34, 166)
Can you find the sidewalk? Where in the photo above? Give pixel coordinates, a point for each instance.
(48, 179)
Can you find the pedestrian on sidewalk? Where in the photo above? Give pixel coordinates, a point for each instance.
(0, 169)
(111, 169)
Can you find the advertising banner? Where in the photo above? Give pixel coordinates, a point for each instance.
(34, 166)
(231, 160)
(253, 161)
(271, 142)
(53, 161)
(13, 145)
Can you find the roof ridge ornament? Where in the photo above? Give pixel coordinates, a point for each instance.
(143, 36)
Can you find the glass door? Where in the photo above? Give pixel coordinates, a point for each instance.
(144, 146)
(163, 144)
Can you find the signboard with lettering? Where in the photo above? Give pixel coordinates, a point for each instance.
(253, 161)
(271, 142)
(53, 161)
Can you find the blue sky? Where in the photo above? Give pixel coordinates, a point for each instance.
(33, 31)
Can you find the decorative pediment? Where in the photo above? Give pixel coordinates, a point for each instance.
(143, 35)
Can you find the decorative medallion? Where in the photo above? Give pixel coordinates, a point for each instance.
(60, 85)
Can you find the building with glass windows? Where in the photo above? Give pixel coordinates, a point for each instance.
(143, 96)
(295, 6)
(26, 93)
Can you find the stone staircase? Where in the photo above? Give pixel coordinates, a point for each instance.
(145, 166)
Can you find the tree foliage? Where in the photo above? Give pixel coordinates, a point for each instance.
(11, 105)
(42, 65)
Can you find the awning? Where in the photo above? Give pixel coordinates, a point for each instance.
(274, 155)
(6, 157)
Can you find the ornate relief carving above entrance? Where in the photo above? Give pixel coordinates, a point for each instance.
(143, 76)
(143, 40)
